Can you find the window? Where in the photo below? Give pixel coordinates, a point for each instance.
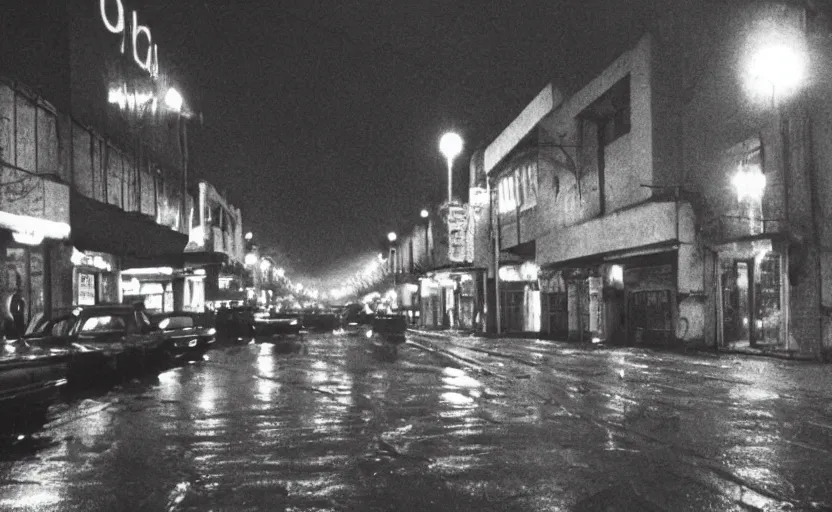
(507, 190)
(103, 324)
(518, 188)
(616, 117)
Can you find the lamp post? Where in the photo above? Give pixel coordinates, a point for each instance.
(391, 237)
(425, 214)
(450, 145)
(777, 66)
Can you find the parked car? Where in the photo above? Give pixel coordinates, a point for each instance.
(236, 322)
(102, 340)
(30, 379)
(271, 323)
(187, 336)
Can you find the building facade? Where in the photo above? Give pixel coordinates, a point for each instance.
(94, 147)
(679, 197)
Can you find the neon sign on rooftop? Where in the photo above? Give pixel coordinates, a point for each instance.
(115, 20)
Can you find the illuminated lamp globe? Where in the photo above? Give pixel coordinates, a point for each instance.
(264, 265)
(173, 99)
(424, 214)
(391, 236)
(450, 145)
(251, 258)
(249, 236)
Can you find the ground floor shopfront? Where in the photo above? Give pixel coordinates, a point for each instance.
(452, 299)
(24, 282)
(753, 295)
(626, 300)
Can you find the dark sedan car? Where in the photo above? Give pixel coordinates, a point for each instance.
(101, 339)
(187, 336)
(270, 323)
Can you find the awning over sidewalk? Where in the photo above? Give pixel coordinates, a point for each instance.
(104, 228)
(177, 260)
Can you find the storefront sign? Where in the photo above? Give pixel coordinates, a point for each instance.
(457, 233)
(86, 289)
(130, 286)
(114, 19)
(98, 261)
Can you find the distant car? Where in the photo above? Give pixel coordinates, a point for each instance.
(187, 336)
(320, 321)
(390, 329)
(270, 323)
(102, 340)
(236, 322)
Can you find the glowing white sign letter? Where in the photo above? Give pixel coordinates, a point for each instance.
(118, 27)
(138, 30)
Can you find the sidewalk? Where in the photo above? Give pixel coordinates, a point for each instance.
(464, 335)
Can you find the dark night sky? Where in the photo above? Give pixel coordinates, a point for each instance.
(322, 118)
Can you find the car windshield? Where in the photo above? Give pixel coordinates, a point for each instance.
(42, 326)
(173, 323)
(101, 324)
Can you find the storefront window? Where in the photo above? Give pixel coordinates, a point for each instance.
(37, 289)
(86, 288)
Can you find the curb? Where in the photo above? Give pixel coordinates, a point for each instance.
(787, 356)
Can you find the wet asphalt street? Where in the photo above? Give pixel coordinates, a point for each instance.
(336, 424)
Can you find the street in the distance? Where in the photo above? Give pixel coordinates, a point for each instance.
(335, 423)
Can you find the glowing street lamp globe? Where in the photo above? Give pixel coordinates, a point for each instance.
(450, 145)
(249, 236)
(749, 183)
(173, 99)
(251, 259)
(264, 265)
(777, 63)
(425, 214)
(391, 236)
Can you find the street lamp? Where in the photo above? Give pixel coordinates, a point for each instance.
(749, 183)
(249, 236)
(776, 65)
(451, 146)
(264, 265)
(251, 259)
(391, 236)
(426, 216)
(173, 99)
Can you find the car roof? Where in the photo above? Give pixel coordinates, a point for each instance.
(98, 309)
(175, 313)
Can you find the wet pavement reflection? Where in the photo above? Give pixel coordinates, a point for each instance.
(335, 423)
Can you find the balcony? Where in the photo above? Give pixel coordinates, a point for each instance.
(648, 224)
(33, 205)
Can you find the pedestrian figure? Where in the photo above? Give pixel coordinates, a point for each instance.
(17, 308)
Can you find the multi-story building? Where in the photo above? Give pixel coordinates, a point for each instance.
(94, 146)
(679, 197)
(208, 271)
(440, 273)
